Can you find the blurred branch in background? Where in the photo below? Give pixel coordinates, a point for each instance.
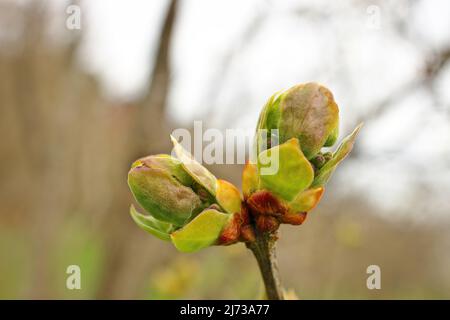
(71, 150)
(149, 134)
(223, 69)
(432, 70)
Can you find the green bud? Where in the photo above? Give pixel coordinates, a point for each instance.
(307, 112)
(163, 188)
(187, 204)
(318, 161)
(307, 119)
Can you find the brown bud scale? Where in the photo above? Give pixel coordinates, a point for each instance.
(265, 203)
(247, 233)
(267, 223)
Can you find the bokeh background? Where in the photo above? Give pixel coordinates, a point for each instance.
(77, 106)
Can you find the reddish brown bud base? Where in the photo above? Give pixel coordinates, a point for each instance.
(267, 223)
(268, 212)
(245, 215)
(247, 233)
(264, 203)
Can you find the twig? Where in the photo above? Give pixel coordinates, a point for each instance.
(263, 249)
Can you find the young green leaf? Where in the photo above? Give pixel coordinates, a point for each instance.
(203, 231)
(306, 200)
(155, 227)
(341, 153)
(228, 196)
(198, 172)
(284, 170)
(250, 179)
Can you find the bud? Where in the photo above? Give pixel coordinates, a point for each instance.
(186, 203)
(162, 187)
(307, 112)
(318, 161)
(306, 118)
(283, 181)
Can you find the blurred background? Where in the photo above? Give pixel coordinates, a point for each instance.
(80, 99)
